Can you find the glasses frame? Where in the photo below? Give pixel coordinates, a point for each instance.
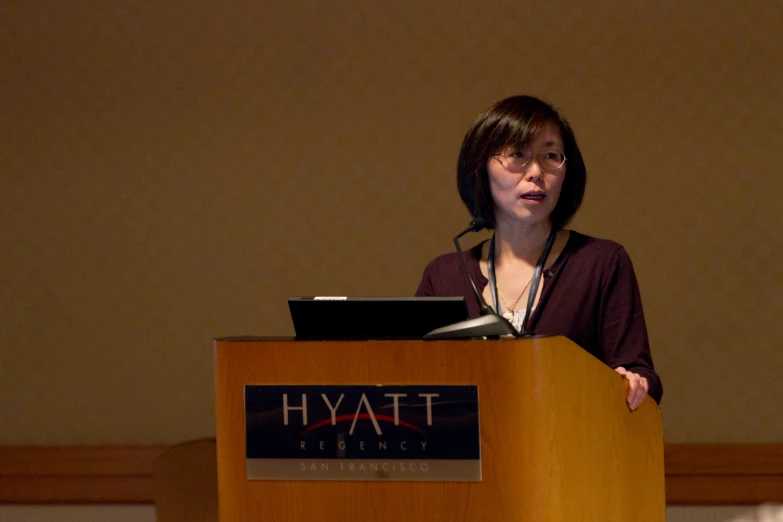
(528, 157)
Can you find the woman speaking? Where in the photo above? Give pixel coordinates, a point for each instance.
(521, 171)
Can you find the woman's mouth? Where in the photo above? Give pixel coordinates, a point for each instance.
(533, 196)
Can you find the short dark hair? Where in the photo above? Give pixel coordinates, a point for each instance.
(516, 121)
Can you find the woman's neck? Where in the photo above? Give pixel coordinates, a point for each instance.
(520, 241)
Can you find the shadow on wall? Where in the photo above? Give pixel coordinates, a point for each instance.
(186, 483)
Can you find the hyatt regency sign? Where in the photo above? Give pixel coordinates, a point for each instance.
(364, 432)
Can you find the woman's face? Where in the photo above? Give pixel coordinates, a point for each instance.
(527, 194)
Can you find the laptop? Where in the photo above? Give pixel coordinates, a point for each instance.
(363, 318)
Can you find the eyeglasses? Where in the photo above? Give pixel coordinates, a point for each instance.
(547, 160)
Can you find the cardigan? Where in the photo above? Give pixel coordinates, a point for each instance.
(590, 295)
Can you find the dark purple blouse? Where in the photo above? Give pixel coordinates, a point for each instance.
(589, 295)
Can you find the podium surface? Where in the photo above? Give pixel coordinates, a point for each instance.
(557, 440)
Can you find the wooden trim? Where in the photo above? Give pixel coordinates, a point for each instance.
(723, 489)
(724, 473)
(77, 475)
(695, 474)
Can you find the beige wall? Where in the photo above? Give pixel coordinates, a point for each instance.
(170, 174)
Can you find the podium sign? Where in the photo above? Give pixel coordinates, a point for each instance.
(362, 432)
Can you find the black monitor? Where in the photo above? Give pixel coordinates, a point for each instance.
(362, 318)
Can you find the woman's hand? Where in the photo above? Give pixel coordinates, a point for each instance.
(637, 390)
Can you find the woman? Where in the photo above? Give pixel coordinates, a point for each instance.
(520, 170)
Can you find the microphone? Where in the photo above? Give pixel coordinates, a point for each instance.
(475, 225)
(490, 324)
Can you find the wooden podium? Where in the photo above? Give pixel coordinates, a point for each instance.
(558, 441)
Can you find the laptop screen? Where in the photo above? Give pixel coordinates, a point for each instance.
(317, 318)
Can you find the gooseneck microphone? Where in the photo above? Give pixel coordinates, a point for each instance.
(477, 225)
(490, 324)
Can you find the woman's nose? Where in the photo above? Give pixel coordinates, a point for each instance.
(533, 170)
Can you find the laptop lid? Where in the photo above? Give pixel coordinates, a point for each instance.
(373, 317)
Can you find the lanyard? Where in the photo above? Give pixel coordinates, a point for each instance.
(531, 296)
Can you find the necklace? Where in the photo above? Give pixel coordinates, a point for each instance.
(533, 284)
(511, 310)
